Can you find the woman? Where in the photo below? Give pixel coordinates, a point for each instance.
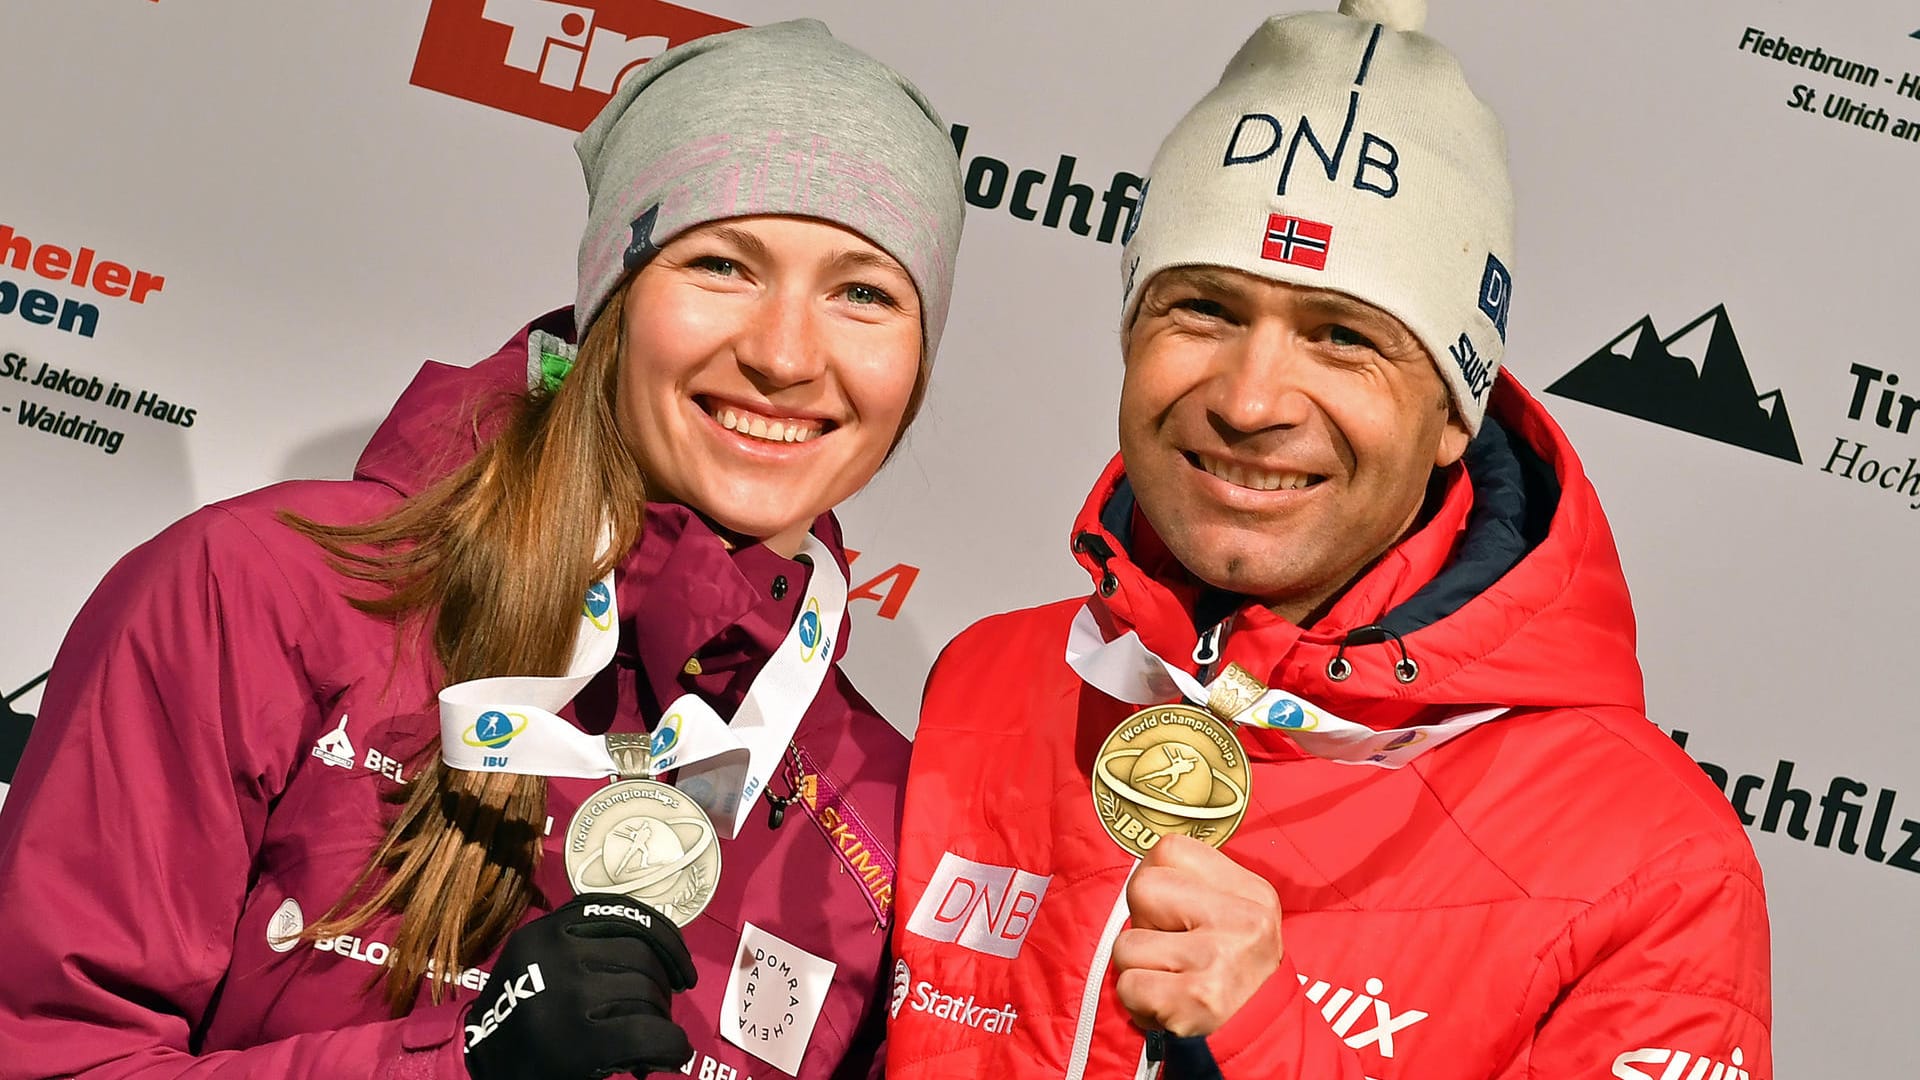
(246, 839)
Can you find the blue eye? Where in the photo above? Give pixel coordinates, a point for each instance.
(713, 264)
(866, 295)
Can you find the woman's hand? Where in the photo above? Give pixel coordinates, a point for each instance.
(581, 992)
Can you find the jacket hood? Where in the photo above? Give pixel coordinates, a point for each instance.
(447, 413)
(1511, 594)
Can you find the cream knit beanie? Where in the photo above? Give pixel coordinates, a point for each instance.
(1345, 151)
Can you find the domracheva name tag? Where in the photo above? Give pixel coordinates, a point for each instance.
(774, 997)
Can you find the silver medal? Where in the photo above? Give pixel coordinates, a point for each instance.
(649, 841)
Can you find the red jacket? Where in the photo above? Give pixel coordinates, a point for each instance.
(1559, 893)
(211, 758)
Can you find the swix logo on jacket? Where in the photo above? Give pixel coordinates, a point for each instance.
(1347, 1011)
(1676, 1061)
(979, 906)
(512, 992)
(546, 60)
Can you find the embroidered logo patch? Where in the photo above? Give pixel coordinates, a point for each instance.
(979, 906)
(1297, 241)
(283, 930)
(335, 748)
(1496, 294)
(860, 852)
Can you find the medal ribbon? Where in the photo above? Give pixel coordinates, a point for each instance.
(1125, 669)
(510, 723)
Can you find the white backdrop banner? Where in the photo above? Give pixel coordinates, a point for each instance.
(229, 233)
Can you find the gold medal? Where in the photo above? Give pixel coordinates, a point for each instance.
(649, 841)
(1170, 769)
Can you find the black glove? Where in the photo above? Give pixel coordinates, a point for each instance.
(583, 992)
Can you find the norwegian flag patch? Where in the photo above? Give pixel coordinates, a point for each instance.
(1297, 241)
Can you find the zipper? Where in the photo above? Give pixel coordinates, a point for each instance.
(1096, 977)
(1152, 1056)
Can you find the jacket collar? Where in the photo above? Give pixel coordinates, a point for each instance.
(1510, 593)
(684, 596)
(682, 593)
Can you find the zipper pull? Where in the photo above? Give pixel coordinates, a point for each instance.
(1206, 651)
(1151, 1057)
(796, 776)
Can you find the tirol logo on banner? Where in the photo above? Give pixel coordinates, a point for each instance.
(549, 61)
(1694, 380)
(1697, 381)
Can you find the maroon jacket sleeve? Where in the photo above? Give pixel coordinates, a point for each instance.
(169, 725)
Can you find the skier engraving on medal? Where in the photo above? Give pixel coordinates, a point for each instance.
(1168, 769)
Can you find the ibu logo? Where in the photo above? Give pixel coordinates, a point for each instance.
(810, 630)
(598, 606)
(666, 738)
(493, 730)
(1288, 715)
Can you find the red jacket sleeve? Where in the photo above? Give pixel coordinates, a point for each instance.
(1277, 1033)
(127, 840)
(1672, 965)
(1668, 968)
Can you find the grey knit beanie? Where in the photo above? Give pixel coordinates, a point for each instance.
(779, 119)
(1347, 152)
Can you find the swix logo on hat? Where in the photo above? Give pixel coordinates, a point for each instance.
(979, 906)
(1297, 241)
(550, 61)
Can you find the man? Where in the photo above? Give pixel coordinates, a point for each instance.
(1368, 596)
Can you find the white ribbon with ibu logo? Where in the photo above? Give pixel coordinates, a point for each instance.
(1126, 670)
(510, 724)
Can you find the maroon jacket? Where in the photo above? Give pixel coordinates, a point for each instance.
(187, 786)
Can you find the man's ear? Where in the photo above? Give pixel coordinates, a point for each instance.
(1453, 441)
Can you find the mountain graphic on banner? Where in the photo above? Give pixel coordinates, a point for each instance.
(1695, 381)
